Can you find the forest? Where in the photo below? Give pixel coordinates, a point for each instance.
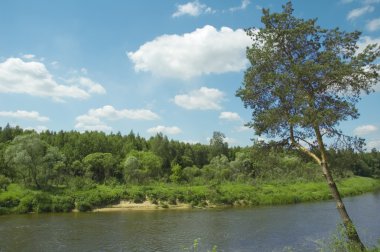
(62, 171)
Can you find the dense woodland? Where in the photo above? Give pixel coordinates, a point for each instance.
(53, 159)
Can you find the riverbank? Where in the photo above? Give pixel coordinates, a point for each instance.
(174, 196)
(241, 194)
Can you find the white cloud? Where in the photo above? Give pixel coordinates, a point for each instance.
(373, 144)
(54, 64)
(203, 99)
(93, 127)
(39, 128)
(93, 119)
(29, 56)
(83, 70)
(18, 76)
(192, 9)
(365, 41)
(230, 116)
(111, 113)
(191, 141)
(91, 86)
(242, 128)
(373, 25)
(355, 13)
(22, 114)
(203, 51)
(165, 130)
(365, 130)
(371, 1)
(243, 6)
(230, 141)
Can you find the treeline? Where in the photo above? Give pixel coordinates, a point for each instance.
(51, 159)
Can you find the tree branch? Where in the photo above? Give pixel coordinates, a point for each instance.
(301, 148)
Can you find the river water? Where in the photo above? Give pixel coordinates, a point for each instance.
(298, 226)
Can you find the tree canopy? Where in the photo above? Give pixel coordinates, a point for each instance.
(303, 78)
(302, 82)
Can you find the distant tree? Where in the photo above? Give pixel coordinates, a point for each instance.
(140, 166)
(176, 175)
(217, 145)
(159, 145)
(304, 80)
(4, 182)
(33, 160)
(99, 166)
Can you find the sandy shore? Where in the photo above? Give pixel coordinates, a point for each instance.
(147, 205)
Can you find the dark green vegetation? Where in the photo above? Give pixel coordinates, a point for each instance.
(58, 172)
(303, 80)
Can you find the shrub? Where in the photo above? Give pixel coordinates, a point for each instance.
(43, 203)
(26, 204)
(9, 200)
(62, 204)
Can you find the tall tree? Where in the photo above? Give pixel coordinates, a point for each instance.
(217, 145)
(304, 80)
(33, 160)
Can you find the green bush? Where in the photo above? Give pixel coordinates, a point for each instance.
(84, 206)
(99, 197)
(9, 200)
(26, 204)
(43, 203)
(62, 204)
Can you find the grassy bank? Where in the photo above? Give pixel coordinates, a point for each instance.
(20, 200)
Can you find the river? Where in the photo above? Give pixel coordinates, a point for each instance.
(233, 229)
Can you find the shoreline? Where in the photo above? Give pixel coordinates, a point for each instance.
(126, 205)
(103, 198)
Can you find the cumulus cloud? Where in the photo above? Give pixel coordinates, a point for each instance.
(192, 9)
(39, 128)
(22, 114)
(365, 130)
(29, 56)
(91, 86)
(365, 41)
(355, 13)
(346, 1)
(203, 51)
(243, 6)
(371, 1)
(373, 144)
(203, 99)
(93, 119)
(230, 140)
(229, 116)
(373, 25)
(33, 78)
(242, 128)
(165, 130)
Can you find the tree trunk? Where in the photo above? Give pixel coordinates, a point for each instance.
(351, 232)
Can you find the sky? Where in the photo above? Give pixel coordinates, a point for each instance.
(167, 66)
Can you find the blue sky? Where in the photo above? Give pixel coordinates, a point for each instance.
(150, 66)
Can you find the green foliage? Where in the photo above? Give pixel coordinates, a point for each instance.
(217, 145)
(63, 204)
(338, 242)
(97, 197)
(33, 160)
(176, 175)
(303, 77)
(99, 166)
(140, 166)
(4, 182)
